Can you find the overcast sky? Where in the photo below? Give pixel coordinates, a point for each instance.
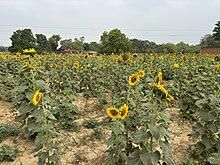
(161, 21)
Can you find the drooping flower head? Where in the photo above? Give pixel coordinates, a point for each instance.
(159, 75)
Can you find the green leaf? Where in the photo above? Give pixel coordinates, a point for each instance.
(214, 160)
(21, 117)
(150, 105)
(200, 103)
(165, 116)
(145, 157)
(134, 158)
(21, 88)
(206, 142)
(52, 117)
(41, 85)
(141, 136)
(154, 130)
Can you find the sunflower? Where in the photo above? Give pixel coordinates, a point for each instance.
(76, 65)
(176, 66)
(159, 75)
(126, 57)
(141, 73)
(162, 89)
(184, 59)
(51, 65)
(133, 79)
(113, 112)
(123, 112)
(37, 97)
(169, 98)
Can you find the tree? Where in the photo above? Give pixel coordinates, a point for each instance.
(66, 44)
(41, 43)
(216, 31)
(209, 41)
(22, 39)
(3, 48)
(94, 46)
(53, 42)
(115, 42)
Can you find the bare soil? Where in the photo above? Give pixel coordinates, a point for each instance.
(82, 148)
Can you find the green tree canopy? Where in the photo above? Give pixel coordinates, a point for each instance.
(41, 43)
(209, 41)
(3, 48)
(22, 39)
(216, 31)
(53, 42)
(115, 42)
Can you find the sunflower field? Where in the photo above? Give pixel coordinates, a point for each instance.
(133, 92)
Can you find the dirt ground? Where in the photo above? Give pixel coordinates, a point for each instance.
(82, 148)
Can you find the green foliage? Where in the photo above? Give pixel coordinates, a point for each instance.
(114, 42)
(37, 117)
(136, 139)
(8, 153)
(209, 41)
(216, 31)
(90, 123)
(3, 48)
(53, 42)
(22, 39)
(7, 130)
(41, 43)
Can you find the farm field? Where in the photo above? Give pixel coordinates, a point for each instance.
(118, 109)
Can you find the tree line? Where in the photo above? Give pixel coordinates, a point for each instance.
(113, 41)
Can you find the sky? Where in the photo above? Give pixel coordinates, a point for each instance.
(160, 21)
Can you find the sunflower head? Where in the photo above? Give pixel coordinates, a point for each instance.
(76, 65)
(37, 97)
(51, 65)
(126, 57)
(141, 73)
(133, 79)
(176, 66)
(112, 112)
(123, 112)
(184, 59)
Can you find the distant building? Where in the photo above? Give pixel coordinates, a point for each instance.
(212, 51)
(94, 53)
(65, 50)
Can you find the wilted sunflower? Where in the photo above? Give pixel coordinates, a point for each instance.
(159, 75)
(133, 79)
(162, 89)
(169, 98)
(176, 66)
(141, 73)
(113, 112)
(123, 112)
(37, 97)
(76, 65)
(126, 57)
